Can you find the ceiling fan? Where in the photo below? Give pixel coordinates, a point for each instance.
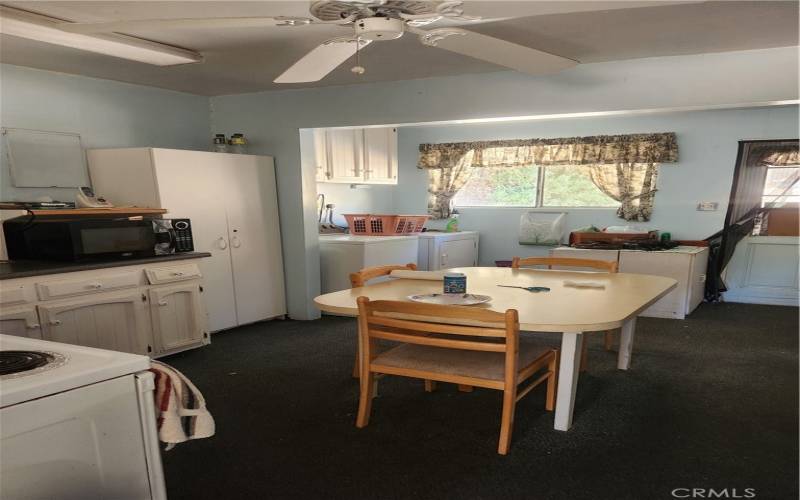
(368, 21)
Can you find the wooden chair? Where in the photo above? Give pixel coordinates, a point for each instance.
(461, 345)
(602, 265)
(360, 278)
(368, 273)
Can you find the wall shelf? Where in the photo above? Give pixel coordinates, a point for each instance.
(90, 212)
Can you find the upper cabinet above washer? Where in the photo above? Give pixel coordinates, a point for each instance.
(354, 156)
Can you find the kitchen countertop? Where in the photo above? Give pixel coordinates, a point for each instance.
(27, 268)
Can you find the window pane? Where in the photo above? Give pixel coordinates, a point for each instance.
(782, 200)
(780, 178)
(778, 181)
(571, 186)
(499, 187)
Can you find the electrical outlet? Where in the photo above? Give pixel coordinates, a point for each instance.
(707, 206)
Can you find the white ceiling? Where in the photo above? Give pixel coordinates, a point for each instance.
(247, 60)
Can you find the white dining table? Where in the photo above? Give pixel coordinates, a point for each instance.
(568, 310)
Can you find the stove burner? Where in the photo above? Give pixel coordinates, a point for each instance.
(22, 361)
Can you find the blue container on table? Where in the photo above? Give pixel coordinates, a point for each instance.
(455, 283)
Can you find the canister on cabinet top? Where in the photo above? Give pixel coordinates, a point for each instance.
(455, 283)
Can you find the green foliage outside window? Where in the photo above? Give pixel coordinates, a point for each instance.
(567, 186)
(571, 186)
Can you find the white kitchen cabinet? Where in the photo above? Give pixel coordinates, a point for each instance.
(345, 155)
(447, 250)
(176, 314)
(109, 321)
(59, 289)
(685, 264)
(355, 156)
(20, 321)
(320, 153)
(380, 155)
(255, 240)
(232, 202)
(163, 312)
(12, 294)
(764, 270)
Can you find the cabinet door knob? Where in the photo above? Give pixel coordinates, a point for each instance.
(55, 322)
(95, 286)
(222, 243)
(236, 242)
(33, 326)
(177, 273)
(162, 303)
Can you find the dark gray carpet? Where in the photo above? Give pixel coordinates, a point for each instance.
(710, 402)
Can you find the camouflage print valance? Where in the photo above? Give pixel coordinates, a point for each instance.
(776, 154)
(595, 150)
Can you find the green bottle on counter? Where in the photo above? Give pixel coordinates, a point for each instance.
(452, 224)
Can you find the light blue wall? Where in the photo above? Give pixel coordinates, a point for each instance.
(106, 114)
(272, 119)
(707, 142)
(363, 199)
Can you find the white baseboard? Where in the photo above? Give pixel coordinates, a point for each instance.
(741, 296)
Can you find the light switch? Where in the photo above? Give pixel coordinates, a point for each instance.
(707, 206)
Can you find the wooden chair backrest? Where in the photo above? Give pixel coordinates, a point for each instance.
(360, 278)
(412, 323)
(603, 265)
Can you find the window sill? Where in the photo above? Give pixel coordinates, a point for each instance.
(535, 209)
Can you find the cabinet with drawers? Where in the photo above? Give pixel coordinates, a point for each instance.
(686, 264)
(114, 321)
(153, 309)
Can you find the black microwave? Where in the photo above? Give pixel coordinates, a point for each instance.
(33, 238)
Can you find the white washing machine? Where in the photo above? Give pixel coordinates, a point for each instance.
(342, 254)
(76, 423)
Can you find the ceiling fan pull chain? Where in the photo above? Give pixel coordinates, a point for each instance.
(358, 69)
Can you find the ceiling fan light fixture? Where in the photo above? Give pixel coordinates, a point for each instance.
(379, 28)
(32, 26)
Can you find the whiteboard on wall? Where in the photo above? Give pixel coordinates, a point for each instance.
(37, 158)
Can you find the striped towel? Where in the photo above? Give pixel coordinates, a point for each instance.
(180, 407)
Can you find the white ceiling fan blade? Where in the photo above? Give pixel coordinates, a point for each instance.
(326, 57)
(494, 50)
(498, 10)
(210, 23)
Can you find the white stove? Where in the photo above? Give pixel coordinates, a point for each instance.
(76, 422)
(74, 366)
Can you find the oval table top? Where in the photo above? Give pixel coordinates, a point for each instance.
(562, 309)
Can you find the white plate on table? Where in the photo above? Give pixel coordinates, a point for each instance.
(451, 299)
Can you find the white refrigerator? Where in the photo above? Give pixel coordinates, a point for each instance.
(233, 205)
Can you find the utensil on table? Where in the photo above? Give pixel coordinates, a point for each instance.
(532, 289)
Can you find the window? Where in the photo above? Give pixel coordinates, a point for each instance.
(572, 186)
(781, 186)
(500, 187)
(561, 186)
